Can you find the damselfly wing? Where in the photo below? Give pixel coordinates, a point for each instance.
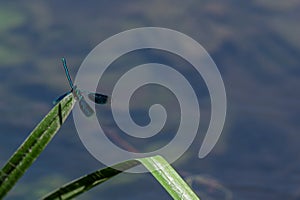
(83, 105)
(58, 99)
(98, 98)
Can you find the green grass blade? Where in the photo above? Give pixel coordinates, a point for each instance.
(89, 181)
(158, 166)
(34, 144)
(166, 175)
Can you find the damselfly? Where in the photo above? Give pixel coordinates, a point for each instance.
(78, 95)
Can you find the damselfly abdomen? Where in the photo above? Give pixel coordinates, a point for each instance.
(78, 95)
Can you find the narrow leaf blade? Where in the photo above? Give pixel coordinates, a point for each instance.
(157, 165)
(34, 144)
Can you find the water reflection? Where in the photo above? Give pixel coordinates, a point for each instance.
(255, 44)
(208, 188)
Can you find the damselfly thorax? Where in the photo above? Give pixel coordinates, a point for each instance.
(79, 95)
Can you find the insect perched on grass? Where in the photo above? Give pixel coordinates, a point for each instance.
(78, 95)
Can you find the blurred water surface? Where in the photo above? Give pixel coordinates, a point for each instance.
(255, 44)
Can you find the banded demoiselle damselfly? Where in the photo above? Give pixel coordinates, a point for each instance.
(78, 95)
